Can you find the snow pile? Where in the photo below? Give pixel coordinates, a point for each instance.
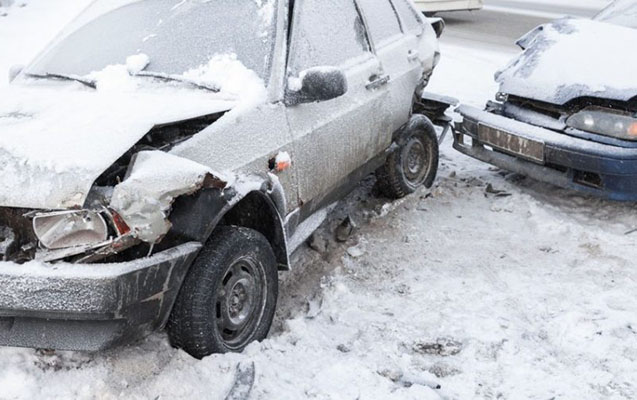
(227, 73)
(224, 73)
(572, 58)
(137, 63)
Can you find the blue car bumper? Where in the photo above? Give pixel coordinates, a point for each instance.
(595, 168)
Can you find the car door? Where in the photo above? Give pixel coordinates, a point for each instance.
(334, 138)
(397, 46)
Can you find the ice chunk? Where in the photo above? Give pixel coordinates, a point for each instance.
(137, 63)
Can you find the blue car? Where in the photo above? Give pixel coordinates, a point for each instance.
(566, 111)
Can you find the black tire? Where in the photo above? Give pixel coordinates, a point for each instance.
(414, 161)
(229, 296)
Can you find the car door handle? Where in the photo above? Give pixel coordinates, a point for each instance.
(377, 81)
(413, 55)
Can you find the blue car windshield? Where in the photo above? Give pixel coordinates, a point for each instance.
(176, 35)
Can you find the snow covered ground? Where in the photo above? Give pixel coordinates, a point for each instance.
(489, 285)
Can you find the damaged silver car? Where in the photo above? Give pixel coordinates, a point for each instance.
(566, 112)
(161, 160)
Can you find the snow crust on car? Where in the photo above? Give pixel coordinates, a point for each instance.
(56, 139)
(155, 180)
(573, 58)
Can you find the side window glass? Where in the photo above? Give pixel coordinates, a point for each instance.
(410, 18)
(381, 19)
(326, 33)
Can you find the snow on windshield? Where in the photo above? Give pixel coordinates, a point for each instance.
(621, 12)
(223, 73)
(177, 35)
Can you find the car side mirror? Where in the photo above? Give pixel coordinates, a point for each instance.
(316, 84)
(438, 24)
(14, 71)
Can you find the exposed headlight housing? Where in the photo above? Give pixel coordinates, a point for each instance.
(66, 229)
(605, 122)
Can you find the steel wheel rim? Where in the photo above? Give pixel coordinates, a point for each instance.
(240, 302)
(415, 161)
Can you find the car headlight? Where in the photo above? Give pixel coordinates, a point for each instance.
(605, 122)
(64, 229)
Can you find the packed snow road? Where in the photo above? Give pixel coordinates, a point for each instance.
(488, 286)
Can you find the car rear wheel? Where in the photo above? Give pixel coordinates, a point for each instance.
(228, 298)
(413, 163)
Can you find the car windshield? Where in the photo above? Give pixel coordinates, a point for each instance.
(175, 35)
(620, 12)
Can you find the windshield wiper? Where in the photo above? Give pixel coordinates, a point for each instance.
(172, 78)
(63, 77)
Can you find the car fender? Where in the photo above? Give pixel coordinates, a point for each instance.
(251, 201)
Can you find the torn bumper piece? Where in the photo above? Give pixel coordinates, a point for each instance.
(548, 156)
(89, 307)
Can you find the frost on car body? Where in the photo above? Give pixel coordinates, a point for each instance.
(566, 111)
(143, 168)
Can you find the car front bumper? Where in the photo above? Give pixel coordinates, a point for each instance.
(89, 307)
(590, 167)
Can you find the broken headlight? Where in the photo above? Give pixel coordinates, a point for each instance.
(605, 122)
(65, 229)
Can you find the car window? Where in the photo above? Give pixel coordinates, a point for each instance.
(620, 12)
(176, 35)
(410, 18)
(381, 19)
(326, 33)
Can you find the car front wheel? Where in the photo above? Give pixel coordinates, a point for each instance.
(228, 298)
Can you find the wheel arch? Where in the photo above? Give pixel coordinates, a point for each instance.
(416, 122)
(258, 211)
(257, 203)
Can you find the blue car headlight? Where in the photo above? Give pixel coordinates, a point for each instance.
(605, 122)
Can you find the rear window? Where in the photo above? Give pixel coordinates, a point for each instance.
(382, 20)
(410, 18)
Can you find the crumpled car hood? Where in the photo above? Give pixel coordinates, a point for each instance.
(573, 58)
(56, 140)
